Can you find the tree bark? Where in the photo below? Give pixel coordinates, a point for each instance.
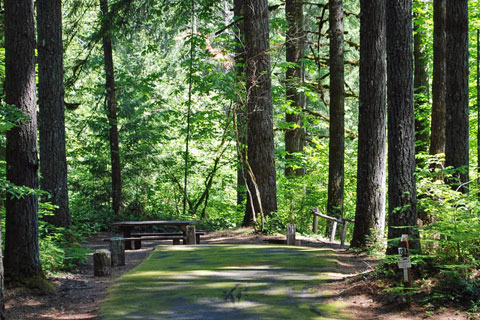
(22, 259)
(337, 126)
(437, 137)
(402, 200)
(370, 209)
(53, 161)
(421, 91)
(112, 111)
(261, 157)
(295, 76)
(240, 111)
(457, 125)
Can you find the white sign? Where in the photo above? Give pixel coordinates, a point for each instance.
(404, 262)
(404, 237)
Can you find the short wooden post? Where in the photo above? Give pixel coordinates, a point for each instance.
(190, 235)
(197, 238)
(102, 263)
(334, 230)
(117, 250)
(344, 233)
(138, 244)
(127, 231)
(176, 241)
(315, 224)
(291, 229)
(404, 262)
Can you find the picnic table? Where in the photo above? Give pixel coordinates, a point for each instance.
(126, 228)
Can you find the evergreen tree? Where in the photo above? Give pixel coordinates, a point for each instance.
(22, 259)
(457, 125)
(370, 209)
(337, 126)
(295, 76)
(51, 121)
(262, 198)
(437, 137)
(402, 194)
(111, 109)
(240, 112)
(420, 87)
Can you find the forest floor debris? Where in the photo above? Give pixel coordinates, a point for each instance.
(79, 294)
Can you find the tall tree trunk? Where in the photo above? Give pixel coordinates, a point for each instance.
(240, 111)
(53, 161)
(456, 130)
(22, 259)
(295, 76)
(370, 209)
(437, 137)
(112, 111)
(402, 200)
(421, 90)
(261, 153)
(337, 127)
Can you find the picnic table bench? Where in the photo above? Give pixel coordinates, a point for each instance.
(187, 234)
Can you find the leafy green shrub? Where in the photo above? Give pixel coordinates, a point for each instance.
(455, 286)
(59, 248)
(453, 228)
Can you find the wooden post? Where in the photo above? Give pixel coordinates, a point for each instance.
(138, 244)
(404, 262)
(127, 231)
(102, 263)
(176, 242)
(344, 233)
(190, 235)
(197, 238)
(291, 229)
(117, 250)
(334, 230)
(315, 224)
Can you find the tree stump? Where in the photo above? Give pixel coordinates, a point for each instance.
(102, 263)
(291, 229)
(190, 235)
(117, 250)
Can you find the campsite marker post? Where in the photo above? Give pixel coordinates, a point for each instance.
(404, 262)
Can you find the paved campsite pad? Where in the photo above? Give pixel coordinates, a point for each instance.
(226, 282)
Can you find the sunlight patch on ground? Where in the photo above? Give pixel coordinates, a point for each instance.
(225, 282)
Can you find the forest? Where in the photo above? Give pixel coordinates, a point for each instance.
(242, 113)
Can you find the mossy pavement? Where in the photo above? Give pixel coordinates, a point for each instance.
(248, 281)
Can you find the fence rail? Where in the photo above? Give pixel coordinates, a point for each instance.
(316, 214)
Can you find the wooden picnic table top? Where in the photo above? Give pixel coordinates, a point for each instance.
(155, 223)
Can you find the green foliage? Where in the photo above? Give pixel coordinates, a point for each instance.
(453, 232)
(60, 249)
(455, 286)
(152, 60)
(449, 238)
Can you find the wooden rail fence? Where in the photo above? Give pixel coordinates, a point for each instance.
(316, 213)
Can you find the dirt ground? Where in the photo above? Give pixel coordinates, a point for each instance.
(80, 294)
